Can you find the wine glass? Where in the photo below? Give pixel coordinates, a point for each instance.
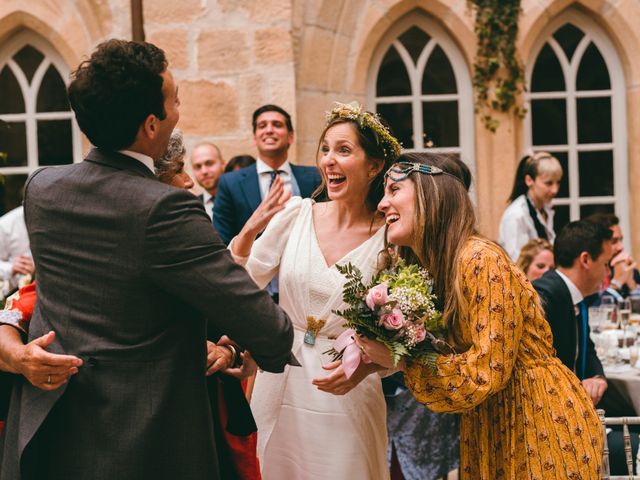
(633, 354)
(624, 316)
(608, 305)
(624, 313)
(595, 319)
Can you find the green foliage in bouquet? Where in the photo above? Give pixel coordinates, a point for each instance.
(417, 287)
(353, 288)
(409, 290)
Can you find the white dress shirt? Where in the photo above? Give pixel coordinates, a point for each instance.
(264, 176)
(576, 295)
(517, 228)
(207, 200)
(576, 298)
(14, 241)
(141, 157)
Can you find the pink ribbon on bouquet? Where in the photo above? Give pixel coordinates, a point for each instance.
(351, 356)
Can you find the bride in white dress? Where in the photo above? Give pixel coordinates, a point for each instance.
(313, 422)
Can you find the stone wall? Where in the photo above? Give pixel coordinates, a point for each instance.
(229, 58)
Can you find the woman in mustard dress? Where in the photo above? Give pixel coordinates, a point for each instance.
(524, 414)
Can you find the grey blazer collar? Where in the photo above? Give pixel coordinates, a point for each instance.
(119, 161)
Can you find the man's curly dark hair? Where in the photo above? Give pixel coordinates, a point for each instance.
(116, 89)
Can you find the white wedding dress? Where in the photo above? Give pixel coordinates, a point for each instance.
(304, 433)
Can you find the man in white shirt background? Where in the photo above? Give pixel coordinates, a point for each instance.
(16, 263)
(207, 165)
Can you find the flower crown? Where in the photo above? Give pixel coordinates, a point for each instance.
(353, 111)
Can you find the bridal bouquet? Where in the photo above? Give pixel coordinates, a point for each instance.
(397, 308)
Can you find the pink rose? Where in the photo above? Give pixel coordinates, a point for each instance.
(377, 295)
(393, 320)
(420, 333)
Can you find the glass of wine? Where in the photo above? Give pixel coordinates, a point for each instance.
(595, 319)
(608, 306)
(624, 313)
(633, 355)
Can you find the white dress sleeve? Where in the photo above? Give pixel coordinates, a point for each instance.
(264, 261)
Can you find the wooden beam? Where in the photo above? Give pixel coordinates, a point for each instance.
(137, 21)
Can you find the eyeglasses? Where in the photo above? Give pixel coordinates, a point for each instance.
(401, 170)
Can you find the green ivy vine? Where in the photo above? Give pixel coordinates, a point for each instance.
(498, 77)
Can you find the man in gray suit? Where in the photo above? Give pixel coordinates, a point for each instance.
(128, 267)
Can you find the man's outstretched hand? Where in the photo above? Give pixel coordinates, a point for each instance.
(43, 369)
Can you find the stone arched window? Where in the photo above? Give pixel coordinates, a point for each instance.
(419, 82)
(577, 111)
(37, 126)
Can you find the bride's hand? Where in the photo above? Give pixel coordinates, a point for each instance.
(378, 353)
(273, 202)
(337, 382)
(258, 221)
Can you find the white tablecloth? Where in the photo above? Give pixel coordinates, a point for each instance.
(627, 380)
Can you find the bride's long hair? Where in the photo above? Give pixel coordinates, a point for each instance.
(445, 220)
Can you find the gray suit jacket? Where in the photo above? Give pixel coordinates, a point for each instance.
(128, 268)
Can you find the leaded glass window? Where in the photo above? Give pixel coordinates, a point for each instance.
(576, 111)
(37, 126)
(420, 83)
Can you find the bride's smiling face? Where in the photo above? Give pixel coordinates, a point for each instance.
(399, 208)
(344, 163)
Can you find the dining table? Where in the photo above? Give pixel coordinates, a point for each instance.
(627, 380)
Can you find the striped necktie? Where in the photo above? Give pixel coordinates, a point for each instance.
(274, 174)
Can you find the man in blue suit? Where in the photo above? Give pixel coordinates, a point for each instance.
(240, 192)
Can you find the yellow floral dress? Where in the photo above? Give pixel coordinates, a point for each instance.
(524, 414)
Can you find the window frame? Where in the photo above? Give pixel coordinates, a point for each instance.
(30, 116)
(464, 90)
(617, 93)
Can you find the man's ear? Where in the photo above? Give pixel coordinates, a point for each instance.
(585, 260)
(149, 127)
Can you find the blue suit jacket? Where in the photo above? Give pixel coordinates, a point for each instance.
(239, 195)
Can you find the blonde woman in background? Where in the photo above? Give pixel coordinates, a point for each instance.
(536, 257)
(529, 214)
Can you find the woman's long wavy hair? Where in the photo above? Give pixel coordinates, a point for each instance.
(444, 221)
